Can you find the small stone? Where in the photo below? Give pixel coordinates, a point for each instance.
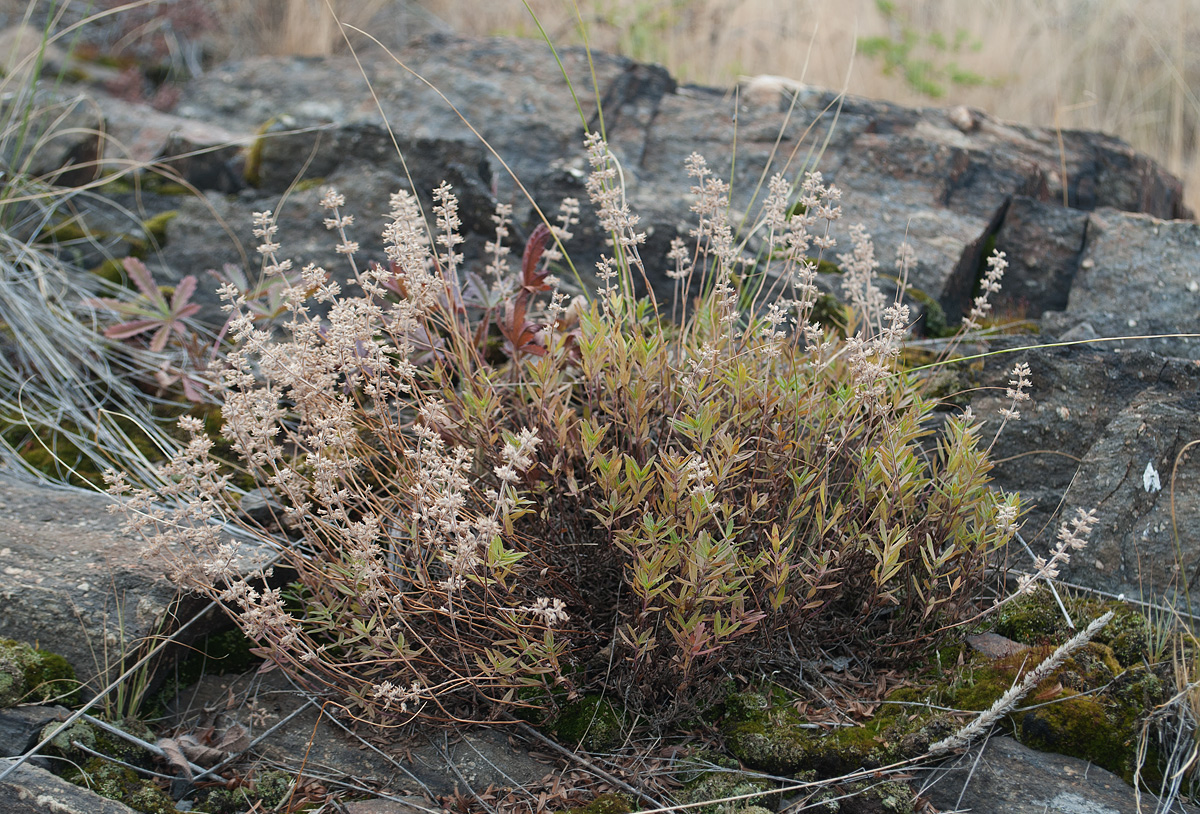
(961, 118)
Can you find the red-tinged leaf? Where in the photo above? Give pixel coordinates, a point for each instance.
(159, 341)
(127, 329)
(193, 390)
(104, 302)
(187, 311)
(142, 278)
(183, 293)
(532, 278)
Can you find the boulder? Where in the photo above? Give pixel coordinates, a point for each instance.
(72, 583)
(914, 175)
(33, 790)
(1104, 430)
(1003, 775)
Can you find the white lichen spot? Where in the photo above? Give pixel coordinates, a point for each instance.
(1150, 480)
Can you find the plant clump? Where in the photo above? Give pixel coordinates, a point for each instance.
(484, 487)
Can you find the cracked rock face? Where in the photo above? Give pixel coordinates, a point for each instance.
(908, 175)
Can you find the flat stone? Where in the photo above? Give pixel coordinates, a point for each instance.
(73, 583)
(429, 762)
(30, 790)
(1013, 779)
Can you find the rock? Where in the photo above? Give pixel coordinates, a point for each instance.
(1043, 242)
(1137, 275)
(1016, 780)
(32, 790)
(432, 763)
(907, 174)
(1101, 425)
(203, 154)
(21, 728)
(403, 805)
(25, 48)
(75, 584)
(62, 143)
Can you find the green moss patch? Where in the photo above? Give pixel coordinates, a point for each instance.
(31, 675)
(590, 723)
(605, 804)
(765, 732)
(123, 785)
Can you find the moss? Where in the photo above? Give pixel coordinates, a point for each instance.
(156, 227)
(1090, 707)
(154, 234)
(28, 674)
(1030, 619)
(69, 230)
(591, 723)
(716, 785)
(1079, 726)
(606, 804)
(934, 323)
(52, 678)
(111, 270)
(62, 742)
(123, 785)
(892, 796)
(764, 732)
(272, 788)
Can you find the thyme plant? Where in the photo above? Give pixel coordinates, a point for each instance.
(481, 488)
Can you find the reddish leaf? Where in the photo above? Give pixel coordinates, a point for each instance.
(534, 279)
(128, 329)
(142, 278)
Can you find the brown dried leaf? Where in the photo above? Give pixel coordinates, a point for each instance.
(198, 753)
(235, 739)
(174, 755)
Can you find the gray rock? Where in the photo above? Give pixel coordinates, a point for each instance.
(1138, 275)
(73, 582)
(21, 727)
(429, 762)
(203, 154)
(907, 174)
(1011, 778)
(1097, 420)
(1042, 242)
(32, 790)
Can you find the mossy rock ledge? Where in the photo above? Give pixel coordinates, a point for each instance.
(28, 674)
(765, 733)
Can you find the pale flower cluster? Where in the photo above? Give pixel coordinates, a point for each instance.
(990, 284)
(1072, 536)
